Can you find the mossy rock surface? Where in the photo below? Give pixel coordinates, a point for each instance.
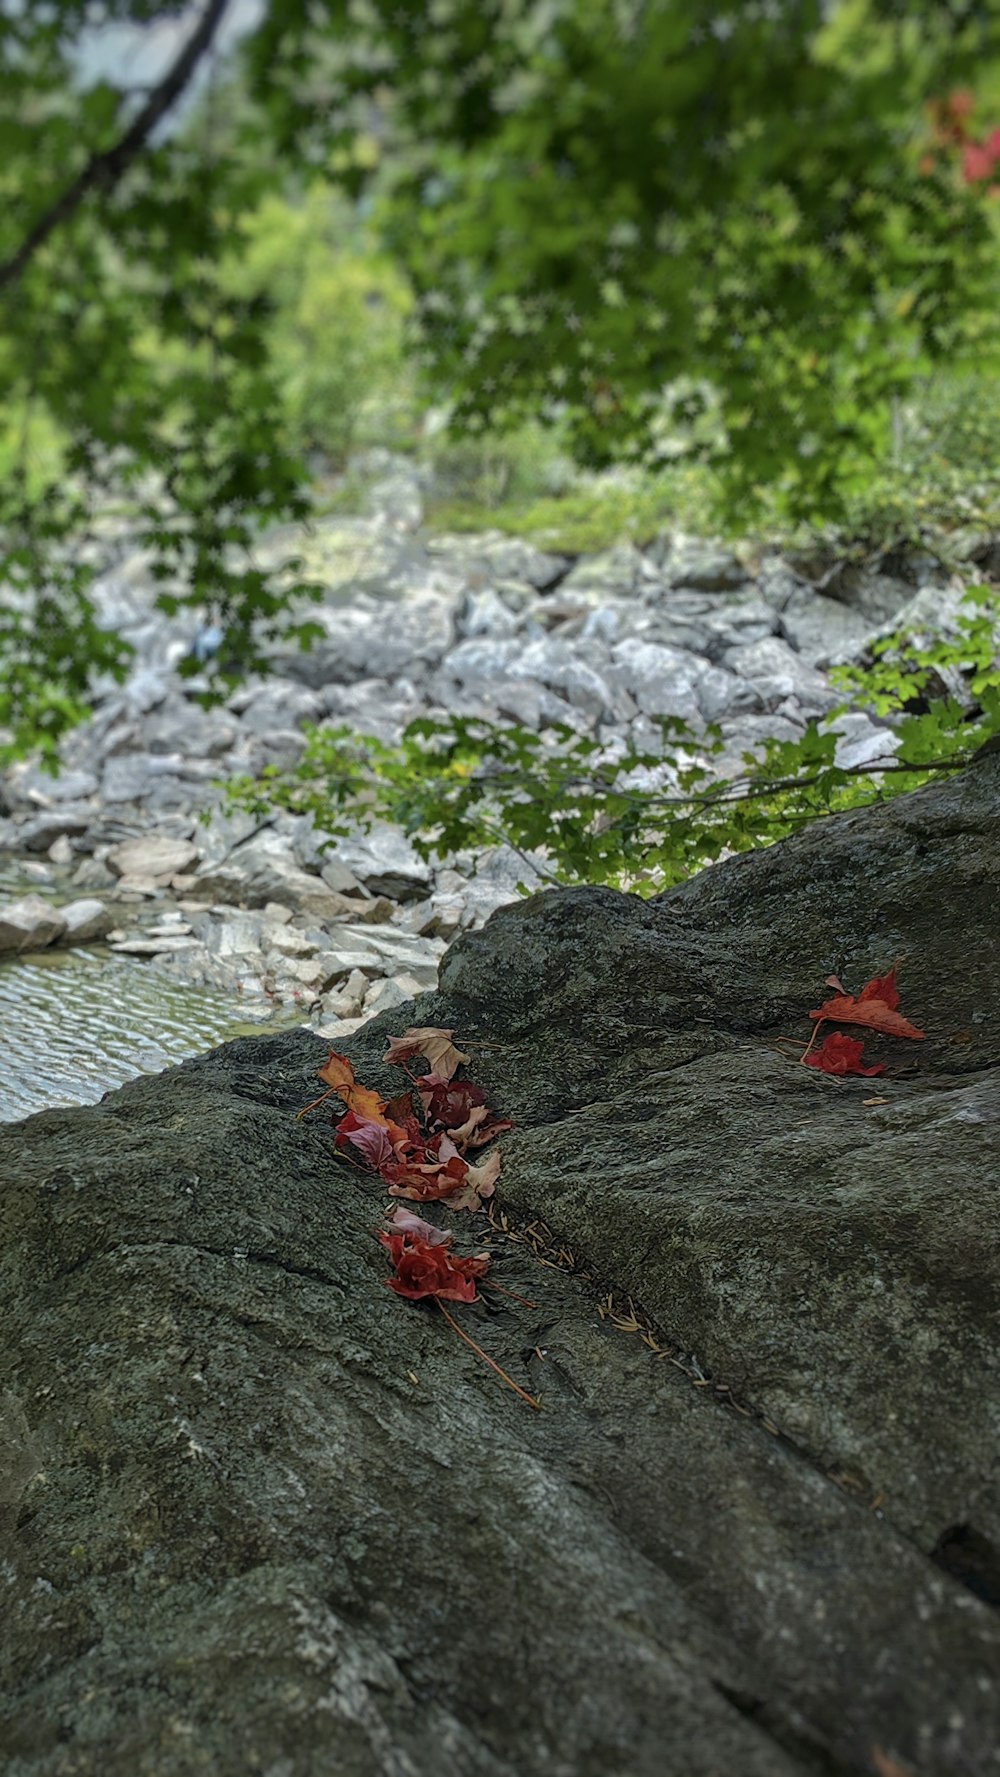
(259, 1515)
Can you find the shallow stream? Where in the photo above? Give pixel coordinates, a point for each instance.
(74, 1022)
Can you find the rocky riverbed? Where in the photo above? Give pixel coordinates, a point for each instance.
(130, 844)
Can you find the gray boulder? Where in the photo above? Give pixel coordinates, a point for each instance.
(262, 1515)
(29, 923)
(85, 921)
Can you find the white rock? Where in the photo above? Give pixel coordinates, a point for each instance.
(385, 862)
(821, 628)
(776, 673)
(29, 923)
(382, 996)
(86, 921)
(339, 1028)
(288, 942)
(163, 946)
(347, 1000)
(61, 851)
(662, 680)
(152, 856)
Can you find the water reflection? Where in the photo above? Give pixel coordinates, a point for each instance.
(73, 1023)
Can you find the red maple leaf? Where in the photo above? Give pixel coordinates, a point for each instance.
(370, 1138)
(875, 1007)
(446, 1101)
(426, 1268)
(841, 1055)
(424, 1181)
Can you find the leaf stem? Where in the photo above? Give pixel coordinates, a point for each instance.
(485, 1354)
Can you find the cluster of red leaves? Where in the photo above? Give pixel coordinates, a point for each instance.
(424, 1161)
(876, 1007)
(950, 125)
(425, 1264)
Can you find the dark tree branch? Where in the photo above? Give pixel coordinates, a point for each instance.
(103, 171)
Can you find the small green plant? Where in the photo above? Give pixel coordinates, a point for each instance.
(647, 819)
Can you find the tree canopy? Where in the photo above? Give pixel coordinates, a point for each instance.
(611, 214)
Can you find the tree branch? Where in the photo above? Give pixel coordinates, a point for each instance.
(103, 171)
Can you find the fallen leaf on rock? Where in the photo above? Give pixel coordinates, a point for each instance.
(874, 1101)
(425, 1181)
(460, 1107)
(886, 1766)
(480, 1183)
(447, 1101)
(370, 1138)
(874, 1007)
(429, 1268)
(434, 1045)
(404, 1221)
(339, 1076)
(464, 1134)
(841, 1055)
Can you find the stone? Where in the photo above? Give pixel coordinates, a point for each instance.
(263, 870)
(181, 726)
(485, 614)
(165, 945)
(308, 971)
(662, 680)
(336, 1029)
(276, 703)
(722, 694)
(242, 934)
(29, 923)
(861, 741)
(755, 1525)
(777, 673)
(286, 941)
(699, 563)
(281, 750)
(347, 999)
(126, 778)
(86, 921)
(385, 996)
(32, 787)
(61, 852)
(38, 832)
(491, 557)
(92, 873)
(152, 856)
(376, 641)
(384, 862)
(821, 628)
(563, 668)
(620, 570)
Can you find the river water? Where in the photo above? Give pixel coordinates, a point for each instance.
(74, 1022)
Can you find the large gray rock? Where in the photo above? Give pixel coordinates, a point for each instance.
(29, 923)
(85, 921)
(153, 855)
(375, 640)
(262, 870)
(261, 1515)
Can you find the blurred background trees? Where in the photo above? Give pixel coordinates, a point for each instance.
(744, 255)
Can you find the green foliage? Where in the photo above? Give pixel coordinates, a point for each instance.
(645, 820)
(337, 332)
(609, 224)
(600, 200)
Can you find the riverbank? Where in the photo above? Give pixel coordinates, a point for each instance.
(135, 827)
